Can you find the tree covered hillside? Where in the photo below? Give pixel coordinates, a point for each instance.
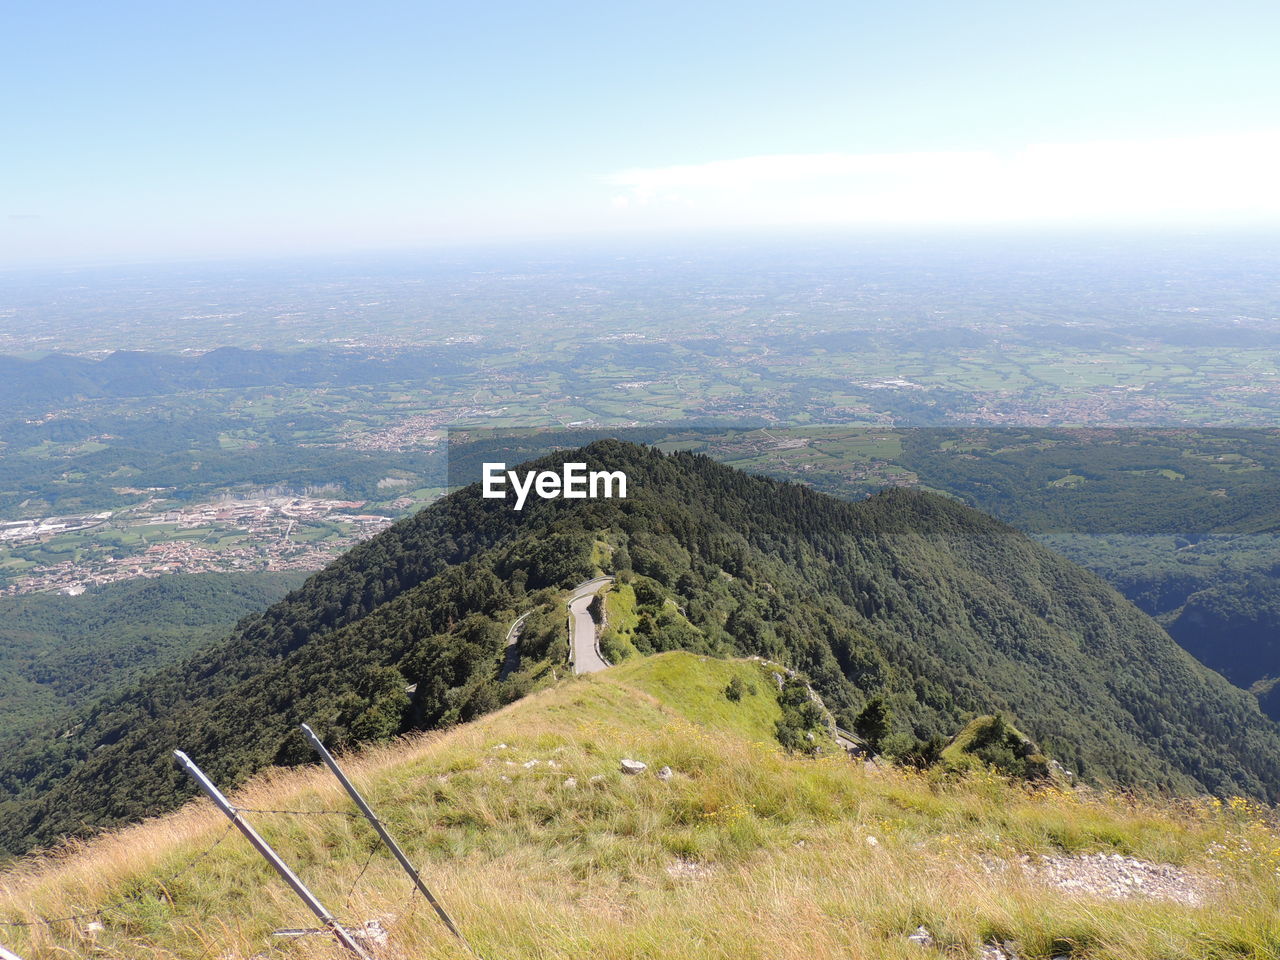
(58, 653)
(939, 609)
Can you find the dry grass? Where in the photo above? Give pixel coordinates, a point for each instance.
(745, 853)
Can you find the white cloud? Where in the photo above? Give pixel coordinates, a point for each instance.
(1221, 177)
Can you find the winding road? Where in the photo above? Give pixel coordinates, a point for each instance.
(511, 650)
(584, 650)
(583, 647)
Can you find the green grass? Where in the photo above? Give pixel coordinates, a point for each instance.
(621, 619)
(601, 552)
(620, 607)
(694, 686)
(1070, 480)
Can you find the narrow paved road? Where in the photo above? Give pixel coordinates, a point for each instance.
(511, 655)
(582, 628)
(850, 742)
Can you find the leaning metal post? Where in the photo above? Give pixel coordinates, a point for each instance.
(270, 856)
(377, 825)
(8, 954)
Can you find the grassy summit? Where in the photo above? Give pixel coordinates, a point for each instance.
(746, 852)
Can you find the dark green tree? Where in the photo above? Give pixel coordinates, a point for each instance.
(873, 723)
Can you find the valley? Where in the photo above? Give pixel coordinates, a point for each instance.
(161, 537)
(1117, 406)
(726, 481)
(227, 530)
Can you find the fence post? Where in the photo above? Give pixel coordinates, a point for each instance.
(6, 954)
(270, 856)
(378, 826)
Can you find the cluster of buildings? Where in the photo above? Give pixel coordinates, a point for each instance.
(266, 533)
(1104, 406)
(18, 531)
(265, 514)
(176, 556)
(406, 434)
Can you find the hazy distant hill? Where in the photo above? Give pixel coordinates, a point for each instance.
(132, 373)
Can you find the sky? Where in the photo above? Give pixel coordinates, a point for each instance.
(136, 131)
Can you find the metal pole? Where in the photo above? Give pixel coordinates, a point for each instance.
(270, 856)
(8, 954)
(377, 825)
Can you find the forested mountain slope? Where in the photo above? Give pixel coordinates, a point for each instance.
(58, 652)
(942, 610)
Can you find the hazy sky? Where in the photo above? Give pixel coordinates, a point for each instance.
(135, 130)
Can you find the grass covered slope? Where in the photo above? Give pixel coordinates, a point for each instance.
(943, 612)
(746, 852)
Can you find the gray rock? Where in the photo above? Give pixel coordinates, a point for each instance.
(921, 937)
(633, 766)
(665, 773)
(372, 934)
(999, 951)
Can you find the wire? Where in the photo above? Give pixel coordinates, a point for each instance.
(346, 904)
(303, 813)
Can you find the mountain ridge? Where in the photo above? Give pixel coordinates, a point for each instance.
(943, 611)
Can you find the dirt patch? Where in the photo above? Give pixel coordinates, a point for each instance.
(1116, 877)
(688, 870)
